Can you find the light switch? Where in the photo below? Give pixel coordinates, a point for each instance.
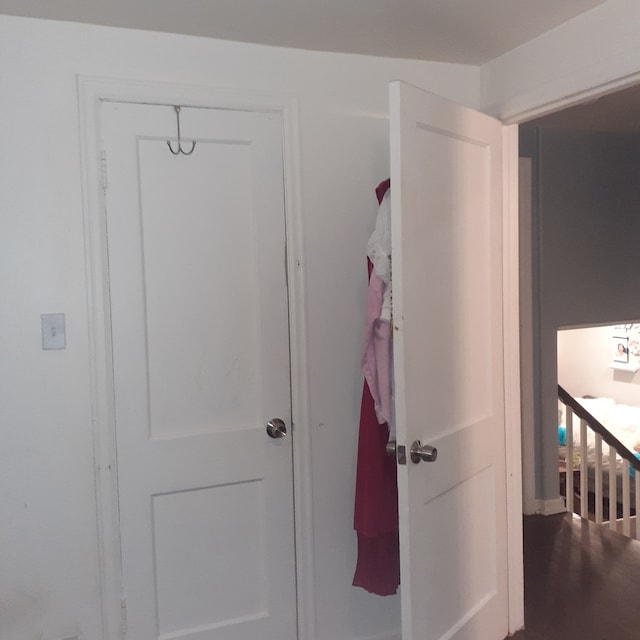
(53, 331)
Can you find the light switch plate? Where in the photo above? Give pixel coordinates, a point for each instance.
(53, 331)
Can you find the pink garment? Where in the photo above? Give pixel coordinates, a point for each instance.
(377, 351)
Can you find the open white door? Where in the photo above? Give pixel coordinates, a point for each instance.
(448, 344)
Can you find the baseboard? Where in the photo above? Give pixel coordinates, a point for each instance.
(551, 507)
(387, 635)
(531, 507)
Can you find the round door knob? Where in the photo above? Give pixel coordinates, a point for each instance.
(276, 428)
(391, 448)
(424, 453)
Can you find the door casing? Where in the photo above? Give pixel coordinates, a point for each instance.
(91, 92)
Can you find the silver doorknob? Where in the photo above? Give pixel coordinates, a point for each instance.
(276, 428)
(424, 453)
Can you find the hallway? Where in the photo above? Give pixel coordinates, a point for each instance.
(582, 581)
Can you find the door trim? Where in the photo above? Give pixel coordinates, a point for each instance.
(556, 95)
(91, 92)
(511, 338)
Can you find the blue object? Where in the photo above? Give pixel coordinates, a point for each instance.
(562, 436)
(632, 471)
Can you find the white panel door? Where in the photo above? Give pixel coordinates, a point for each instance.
(447, 295)
(199, 320)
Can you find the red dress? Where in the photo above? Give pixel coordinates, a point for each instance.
(376, 500)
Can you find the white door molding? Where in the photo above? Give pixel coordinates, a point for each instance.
(557, 96)
(525, 199)
(513, 418)
(91, 92)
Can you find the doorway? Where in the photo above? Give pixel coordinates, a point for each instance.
(583, 171)
(582, 163)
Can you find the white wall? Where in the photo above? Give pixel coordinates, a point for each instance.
(584, 356)
(597, 49)
(48, 553)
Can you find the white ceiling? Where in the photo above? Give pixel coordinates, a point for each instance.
(465, 31)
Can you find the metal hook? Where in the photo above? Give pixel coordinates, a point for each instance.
(180, 149)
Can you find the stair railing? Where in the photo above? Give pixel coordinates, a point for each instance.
(616, 450)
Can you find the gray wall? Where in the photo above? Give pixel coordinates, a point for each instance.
(586, 234)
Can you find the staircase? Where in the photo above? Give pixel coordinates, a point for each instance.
(602, 479)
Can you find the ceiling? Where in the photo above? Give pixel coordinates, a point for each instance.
(464, 31)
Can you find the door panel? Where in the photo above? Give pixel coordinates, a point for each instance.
(186, 580)
(199, 321)
(447, 293)
(212, 294)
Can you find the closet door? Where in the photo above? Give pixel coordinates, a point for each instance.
(448, 357)
(200, 339)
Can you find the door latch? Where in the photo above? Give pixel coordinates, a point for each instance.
(399, 451)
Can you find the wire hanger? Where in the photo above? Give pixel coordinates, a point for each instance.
(180, 149)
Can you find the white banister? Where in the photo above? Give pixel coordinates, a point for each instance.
(598, 479)
(613, 490)
(569, 463)
(584, 470)
(609, 475)
(637, 494)
(626, 500)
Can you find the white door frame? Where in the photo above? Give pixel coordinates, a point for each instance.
(537, 103)
(91, 92)
(512, 418)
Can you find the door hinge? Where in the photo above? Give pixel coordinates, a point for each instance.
(123, 616)
(103, 169)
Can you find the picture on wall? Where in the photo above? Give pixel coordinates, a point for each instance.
(620, 346)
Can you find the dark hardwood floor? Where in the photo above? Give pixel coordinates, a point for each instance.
(582, 581)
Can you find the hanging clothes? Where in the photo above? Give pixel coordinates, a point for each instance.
(376, 499)
(376, 356)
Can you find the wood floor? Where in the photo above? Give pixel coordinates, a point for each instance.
(582, 581)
